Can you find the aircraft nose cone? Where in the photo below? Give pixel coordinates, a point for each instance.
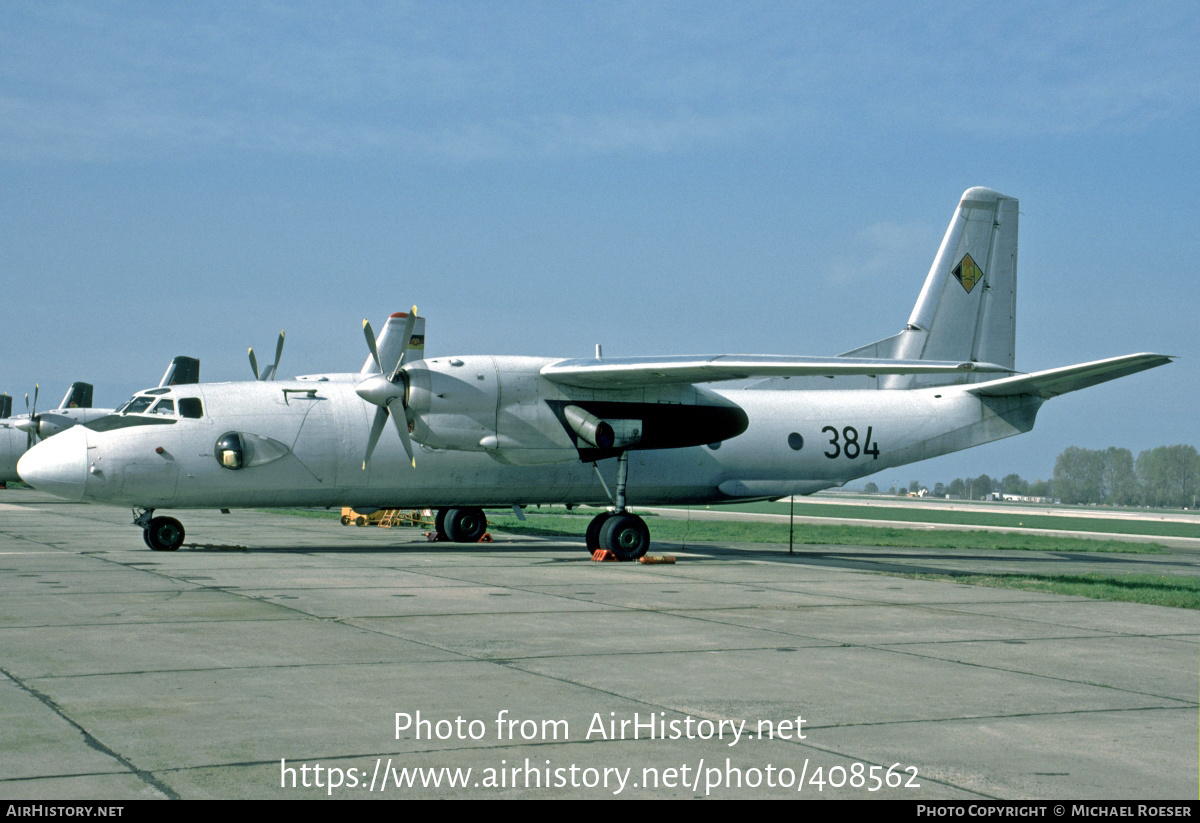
(57, 465)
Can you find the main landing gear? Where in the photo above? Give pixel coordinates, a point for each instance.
(463, 524)
(625, 535)
(162, 534)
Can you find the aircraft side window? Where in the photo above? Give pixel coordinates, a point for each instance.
(164, 406)
(230, 451)
(191, 407)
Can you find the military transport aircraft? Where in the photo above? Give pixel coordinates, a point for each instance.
(476, 431)
(18, 434)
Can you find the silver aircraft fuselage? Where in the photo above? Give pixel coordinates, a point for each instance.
(305, 440)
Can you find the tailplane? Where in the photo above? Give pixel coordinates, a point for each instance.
(967, 307)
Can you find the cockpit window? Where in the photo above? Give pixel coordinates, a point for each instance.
(149, 402)
(137, 405)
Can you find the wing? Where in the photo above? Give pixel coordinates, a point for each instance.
(1053, 382)
(633, 372)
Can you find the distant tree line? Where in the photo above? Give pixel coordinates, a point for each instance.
(1166, 476)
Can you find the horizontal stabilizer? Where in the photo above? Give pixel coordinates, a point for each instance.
(1053, 382)
(634, 372)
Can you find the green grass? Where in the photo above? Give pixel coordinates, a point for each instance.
(1155, 590)
(559, 522)
(671, 530)
(881, 510)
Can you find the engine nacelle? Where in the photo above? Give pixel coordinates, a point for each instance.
(453, 402)
(503, 406)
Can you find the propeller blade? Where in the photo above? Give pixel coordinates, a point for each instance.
(253, 363)
(402, 429)
(369, 333)
(278, 354)
(31, 437)
(381, 416)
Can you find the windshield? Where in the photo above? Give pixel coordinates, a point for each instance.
(136, 405)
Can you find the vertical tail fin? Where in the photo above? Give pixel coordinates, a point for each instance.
(967, 307)
(392, 346)
(183, 371)
(79, 396)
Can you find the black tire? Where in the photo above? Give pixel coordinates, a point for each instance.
(593, 531)
(439, 524)
(360, 521)
(465, 525)
(345, 520)
(625, 535)
(165, 534)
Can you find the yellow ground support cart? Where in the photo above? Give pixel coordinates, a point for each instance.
(386, 518)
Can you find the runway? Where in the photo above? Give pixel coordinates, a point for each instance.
(274, 656)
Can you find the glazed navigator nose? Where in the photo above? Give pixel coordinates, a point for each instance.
(57, 465)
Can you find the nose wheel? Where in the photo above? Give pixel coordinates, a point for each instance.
(162, 534)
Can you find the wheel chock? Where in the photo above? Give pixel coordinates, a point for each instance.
(649, 559)
(603, 556)
(487, 538)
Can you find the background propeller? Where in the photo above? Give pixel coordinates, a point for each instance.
(387, 390)
(269, 372)
(30, 424)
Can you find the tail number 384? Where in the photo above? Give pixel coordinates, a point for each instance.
(846, 443)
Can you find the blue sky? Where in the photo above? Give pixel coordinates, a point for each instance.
(661, 178)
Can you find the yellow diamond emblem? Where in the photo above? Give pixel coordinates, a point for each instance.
(968, 273)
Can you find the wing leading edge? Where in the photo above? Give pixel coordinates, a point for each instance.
(635, 372)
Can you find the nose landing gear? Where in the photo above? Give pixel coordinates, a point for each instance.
(162, 534)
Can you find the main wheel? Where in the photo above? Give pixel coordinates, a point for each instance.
(439, 524)
(592, 539)
(626, 536)
(165, 534)
(465, 525)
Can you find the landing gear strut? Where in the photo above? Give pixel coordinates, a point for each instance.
(625, 535)
(162, 534)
